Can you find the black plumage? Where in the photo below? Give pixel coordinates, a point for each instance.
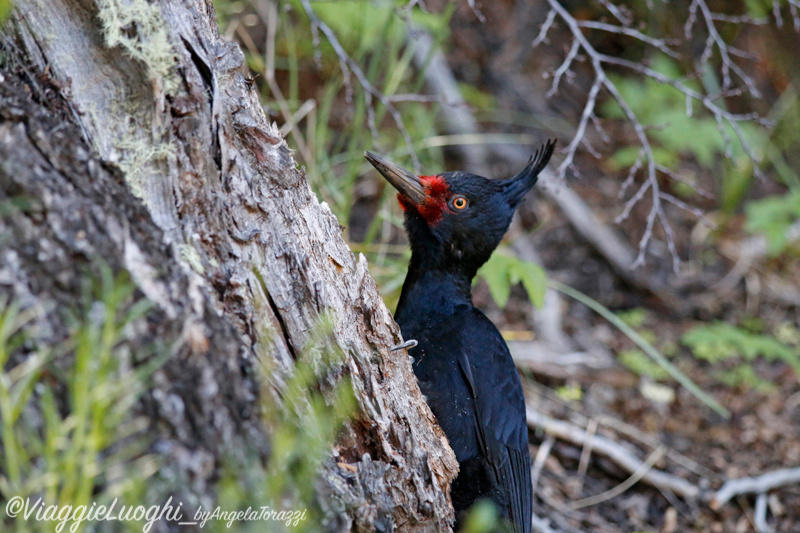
(454, 222)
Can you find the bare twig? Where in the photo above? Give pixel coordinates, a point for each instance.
(620, 455)
(739, 19)
(660, 44)
(551, 17)
(541, 456)
(586, 454)
(624, 18)
(476, 11)
(670, 174)
(625, 485)
(754, 485)
(732, 74)
(270, 18)
(631, 431)
(728, 65)
(560, 71)
(643, 471)
(760, 518)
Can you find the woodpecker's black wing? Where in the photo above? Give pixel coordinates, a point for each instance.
(501, 413)
(470, 382)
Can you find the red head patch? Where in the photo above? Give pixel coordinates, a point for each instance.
(436, 193)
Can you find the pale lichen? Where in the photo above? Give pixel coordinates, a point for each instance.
(191, 257)
(139, 28)
(139, 154)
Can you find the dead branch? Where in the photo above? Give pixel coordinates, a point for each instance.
(734, 81)
(754, 485)
(644, 471)
(541, 456)
(760, 518)
(625, 485)
(620, 455)
(458, 120)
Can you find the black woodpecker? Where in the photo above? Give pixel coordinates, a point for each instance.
(454, 221)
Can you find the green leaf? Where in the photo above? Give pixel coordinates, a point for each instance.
(771, 217)
(673, 133)
(481, 518)
(495, 273)
(638, 363)
(5, 9)
(503, 270)
(720, 341)
(534, 280)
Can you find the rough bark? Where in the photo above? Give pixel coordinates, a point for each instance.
(155, 91)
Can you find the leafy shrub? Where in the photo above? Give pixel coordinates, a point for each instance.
(720, 342)
(503, 271)
(772, 217)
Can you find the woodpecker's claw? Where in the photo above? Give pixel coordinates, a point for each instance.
(410, 343)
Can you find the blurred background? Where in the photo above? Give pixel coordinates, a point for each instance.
(650, 288)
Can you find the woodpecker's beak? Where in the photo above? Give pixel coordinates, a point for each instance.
(401, 179)
(517, 187)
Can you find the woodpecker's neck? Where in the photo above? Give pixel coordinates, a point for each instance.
(430, 292)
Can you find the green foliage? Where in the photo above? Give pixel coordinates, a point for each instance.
(570, 392)
(782, 152)
(664, 107)
(635, 317)
(759, 9)
(477, 98)
(674, 133)
(5, 9)
(481, 518)
(636, 361)
(304, 422)
(364, 26)
(720, 342)
(744, 376)
(61, 427)
(68, 436)
(503, 271)
(772, 216)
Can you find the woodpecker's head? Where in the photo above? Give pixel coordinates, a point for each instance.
(457, 218)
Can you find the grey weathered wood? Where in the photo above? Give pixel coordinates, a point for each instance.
(166, 100)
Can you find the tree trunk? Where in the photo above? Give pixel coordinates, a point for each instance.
(133, 129)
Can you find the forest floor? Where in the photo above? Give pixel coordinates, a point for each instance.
(653, 417)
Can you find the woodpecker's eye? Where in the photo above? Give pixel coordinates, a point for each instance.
(459, 202)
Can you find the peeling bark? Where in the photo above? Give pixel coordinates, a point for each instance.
(222, 207)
